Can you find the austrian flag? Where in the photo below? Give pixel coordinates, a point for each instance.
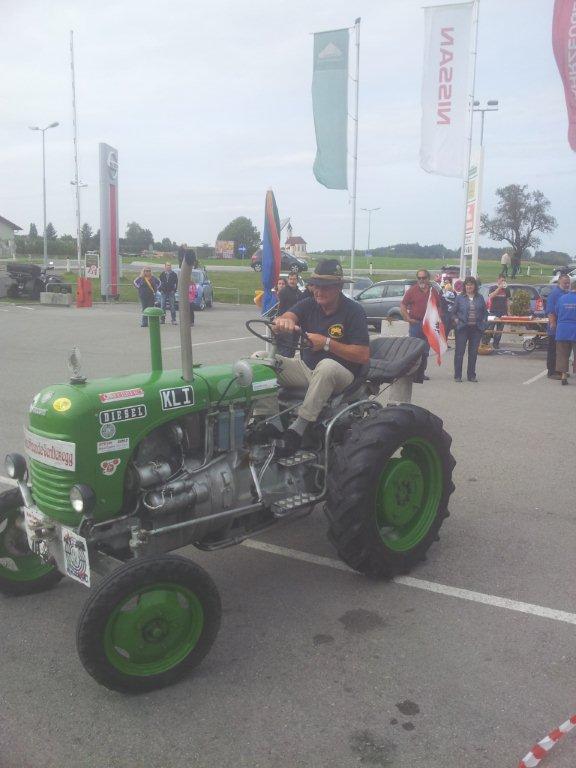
(433, 326)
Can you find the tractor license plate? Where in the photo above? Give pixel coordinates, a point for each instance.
(76, 560)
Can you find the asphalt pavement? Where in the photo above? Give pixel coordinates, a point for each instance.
(466, 663)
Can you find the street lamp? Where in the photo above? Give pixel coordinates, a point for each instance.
(369, 212)
(36, 128)
(491, 106)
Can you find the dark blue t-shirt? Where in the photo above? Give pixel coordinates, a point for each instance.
(566, 317)
(348, 325)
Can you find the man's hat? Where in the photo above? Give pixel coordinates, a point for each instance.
(328, 272)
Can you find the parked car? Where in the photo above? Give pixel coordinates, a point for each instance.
(562, 271)
(537, 303)
(360, 284)
(205, 293)
(30, 280)
(544, 289)
(287, 264)
(383, 299)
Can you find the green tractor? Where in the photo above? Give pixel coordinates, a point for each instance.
(120, 472)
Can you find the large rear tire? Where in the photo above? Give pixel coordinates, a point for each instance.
(148, 624)
(21, 571)
(388, 489)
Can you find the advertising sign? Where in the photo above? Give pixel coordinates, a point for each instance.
(109, 237)
(445, 89)
(472, 230)
(224, 249)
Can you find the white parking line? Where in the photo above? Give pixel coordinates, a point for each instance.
(427, 586)
(218, 341)
(535, 378)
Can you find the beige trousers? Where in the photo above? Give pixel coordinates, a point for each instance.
(329, 377)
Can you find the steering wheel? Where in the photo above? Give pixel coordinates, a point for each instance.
(299, 344)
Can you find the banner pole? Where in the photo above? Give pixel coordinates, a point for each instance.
(355, 155)
(473, 56)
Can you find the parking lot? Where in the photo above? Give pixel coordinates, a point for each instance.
(469, 661)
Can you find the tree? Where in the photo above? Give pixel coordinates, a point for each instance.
(137, 239)
(33, 231)
(50, 231)
(85, 236)
(520, 216)
(243, 232)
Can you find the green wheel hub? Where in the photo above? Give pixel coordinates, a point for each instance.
(153, 629)
(17, 562)
(408, 495)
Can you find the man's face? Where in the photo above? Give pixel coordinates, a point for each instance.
(168, 267)
(293, 281)
(422, 278)
(564, 282)
(326, 295)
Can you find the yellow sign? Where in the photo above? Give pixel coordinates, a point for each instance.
(61, 404)
(336, 331)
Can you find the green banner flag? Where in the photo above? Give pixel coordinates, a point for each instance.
(330, 106)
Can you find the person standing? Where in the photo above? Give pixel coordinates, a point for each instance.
(168, 287)
(499, 305)
(147, 286)
(287, 298)
(505, 263)
(192, 299)
(565, 330)
(559, 290)
(515, 265)
(469, 317)
(413, 308)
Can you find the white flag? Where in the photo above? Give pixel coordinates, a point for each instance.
(445, 89)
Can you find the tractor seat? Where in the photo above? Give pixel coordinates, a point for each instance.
(392, 357)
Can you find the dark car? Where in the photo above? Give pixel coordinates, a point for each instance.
(544, 289)
(289, 263)
(537, 303)
(360, 284)
(383, 299)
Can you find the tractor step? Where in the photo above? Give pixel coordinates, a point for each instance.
(300, 457)
(285, 506)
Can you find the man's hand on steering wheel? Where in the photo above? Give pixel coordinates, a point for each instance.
(284, 325)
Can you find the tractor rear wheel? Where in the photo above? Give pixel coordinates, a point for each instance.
(388, 489)
(21, 571)
(149, 623)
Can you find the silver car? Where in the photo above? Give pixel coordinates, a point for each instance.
(383, 300)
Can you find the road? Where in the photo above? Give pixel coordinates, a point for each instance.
(467, 662)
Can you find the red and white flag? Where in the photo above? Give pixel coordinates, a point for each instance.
(564, 44)
(433, 326)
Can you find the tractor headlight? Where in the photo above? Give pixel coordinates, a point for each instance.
(15, 466)
(82, 498)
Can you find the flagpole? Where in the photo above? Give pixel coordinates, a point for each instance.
(355, 155)
(473, 56)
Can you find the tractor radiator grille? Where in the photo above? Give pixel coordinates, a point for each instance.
(51, 489)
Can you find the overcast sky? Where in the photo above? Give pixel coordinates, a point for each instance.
(209, 105)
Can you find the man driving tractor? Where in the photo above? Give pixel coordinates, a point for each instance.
(336, 331)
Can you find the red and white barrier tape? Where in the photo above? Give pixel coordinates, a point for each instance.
(538, 752)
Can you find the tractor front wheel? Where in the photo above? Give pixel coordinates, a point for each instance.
(388, 489)
(149, 623)
(21, 571)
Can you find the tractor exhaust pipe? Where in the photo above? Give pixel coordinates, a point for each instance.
(184, 308)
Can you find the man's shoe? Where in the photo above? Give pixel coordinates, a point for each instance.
(556, 376)
(473, 379)
(292, 442)
(458, 379)
(564, 381)
(425, 378)
(264, 433)
(174, 322)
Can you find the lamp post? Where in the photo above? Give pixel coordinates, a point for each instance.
(36, 128)
(369, 211)
(491, 106)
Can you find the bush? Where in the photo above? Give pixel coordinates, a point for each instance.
(520, 304)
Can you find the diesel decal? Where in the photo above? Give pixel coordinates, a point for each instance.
(128, 413)
(179, 397)
(336, 331)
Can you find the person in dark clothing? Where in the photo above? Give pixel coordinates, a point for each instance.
(147, 286)
(557, 292)
(469, 316)
(515, 266)
(287, 298)
(500, 305)
(168, 287)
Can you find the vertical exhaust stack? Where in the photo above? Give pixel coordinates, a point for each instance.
(184, 308)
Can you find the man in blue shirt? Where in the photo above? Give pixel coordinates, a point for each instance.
(565, 330)
(337, 332)
(559, 290)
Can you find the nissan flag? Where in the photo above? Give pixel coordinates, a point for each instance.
(564, 44)
(445, 92)
(109, 237)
